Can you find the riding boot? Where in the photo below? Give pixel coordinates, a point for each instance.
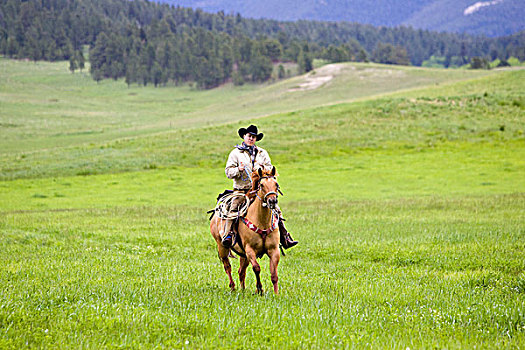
(228, 235)
(285, 237)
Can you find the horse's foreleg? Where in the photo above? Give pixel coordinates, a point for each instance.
(250, 254)
(274, 261)
(242, 270)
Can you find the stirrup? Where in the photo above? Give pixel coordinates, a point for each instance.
(227, 241)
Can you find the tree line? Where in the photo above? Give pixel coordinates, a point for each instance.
(150, 43)
(156, 55)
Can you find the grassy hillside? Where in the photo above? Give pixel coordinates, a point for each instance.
(44, 106)
(419, 118)
(408, 206)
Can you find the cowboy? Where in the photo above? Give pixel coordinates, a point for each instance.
(242, 161)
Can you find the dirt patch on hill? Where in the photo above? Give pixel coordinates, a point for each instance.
(318, 78)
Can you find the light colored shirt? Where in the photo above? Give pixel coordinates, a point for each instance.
(242, 180)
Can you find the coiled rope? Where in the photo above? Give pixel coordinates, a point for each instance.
(222, 209)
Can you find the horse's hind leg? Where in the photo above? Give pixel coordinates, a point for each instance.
(250, 254)
(223, 252)
(242, 271)
(228, 269)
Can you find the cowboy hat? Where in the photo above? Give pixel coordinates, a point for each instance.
(252, 129)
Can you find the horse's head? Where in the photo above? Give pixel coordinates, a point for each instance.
(268, 188)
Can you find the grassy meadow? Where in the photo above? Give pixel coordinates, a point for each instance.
(405, 187)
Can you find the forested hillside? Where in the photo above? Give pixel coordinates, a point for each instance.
(492, 18)
(150, 43)
(375, 12)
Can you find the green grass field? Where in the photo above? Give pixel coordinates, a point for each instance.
(405, 187)
(45, 106)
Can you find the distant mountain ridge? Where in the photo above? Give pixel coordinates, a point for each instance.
(491, 18)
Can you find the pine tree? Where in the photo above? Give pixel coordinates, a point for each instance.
(479, 63)
(72, 64)
(362, 56)
(281, 73)
(304, 60)
(273, 49)
(97, 75)
(390, 54)
(97, 56)
(238, 78)
(81, 60)
(156, 74)
(260, 65)
(401, 56)
(12, 47)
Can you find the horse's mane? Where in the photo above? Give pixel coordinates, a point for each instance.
(255, 185)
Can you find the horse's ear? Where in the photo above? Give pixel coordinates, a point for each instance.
(259, 171)
(274, 171)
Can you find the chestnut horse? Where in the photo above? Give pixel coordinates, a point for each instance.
(258, 233)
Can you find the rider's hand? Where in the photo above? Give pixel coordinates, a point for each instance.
(241, 167)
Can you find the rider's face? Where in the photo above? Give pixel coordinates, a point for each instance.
(249, 139)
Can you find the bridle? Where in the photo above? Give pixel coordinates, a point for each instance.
(264, 200)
